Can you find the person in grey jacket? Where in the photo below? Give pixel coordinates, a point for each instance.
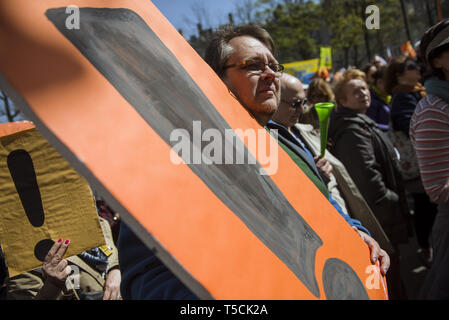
(372, 163)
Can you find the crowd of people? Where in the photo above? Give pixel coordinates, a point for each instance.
(374, 134)
(385, 170)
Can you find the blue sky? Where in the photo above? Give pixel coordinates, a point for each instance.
(177, 11)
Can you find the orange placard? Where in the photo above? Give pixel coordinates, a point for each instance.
(118, 94)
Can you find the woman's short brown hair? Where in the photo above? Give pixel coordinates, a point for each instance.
(347, 76)
(395, 68)
(319, 87)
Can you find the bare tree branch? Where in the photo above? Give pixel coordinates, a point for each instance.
(10, 111)
(245, 11)
(200, 17)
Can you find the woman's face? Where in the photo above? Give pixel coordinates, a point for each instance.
(411, 74)
(357, 96)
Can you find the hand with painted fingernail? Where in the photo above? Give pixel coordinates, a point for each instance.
(55, 267)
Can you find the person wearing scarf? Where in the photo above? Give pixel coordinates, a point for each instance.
(402, 81)
(429, 132)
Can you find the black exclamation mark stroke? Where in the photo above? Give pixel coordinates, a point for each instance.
(22, 172)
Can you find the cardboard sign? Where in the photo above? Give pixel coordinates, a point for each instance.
(42, 199)
(110, 94)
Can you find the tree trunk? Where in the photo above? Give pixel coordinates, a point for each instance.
(346, 49)
(380, 42)
(8, 110)
(365, 31)
(429, 13)
(9, 113)
(356, 56)
(439, 10)
(404, 14)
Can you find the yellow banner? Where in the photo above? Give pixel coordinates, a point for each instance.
(326, 57)
(303, 70)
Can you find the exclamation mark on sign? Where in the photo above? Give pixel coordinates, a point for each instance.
(22, 172)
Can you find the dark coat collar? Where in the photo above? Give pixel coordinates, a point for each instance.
(290, 142)
(347, 114)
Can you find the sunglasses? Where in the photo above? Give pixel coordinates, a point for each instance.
(297, 104)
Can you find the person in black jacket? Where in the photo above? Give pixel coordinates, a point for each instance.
(379, 110)
(371, 161)
(402, 82)
(3, 276)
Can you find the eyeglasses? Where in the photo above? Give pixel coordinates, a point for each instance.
(297, 104)
(258, 67)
